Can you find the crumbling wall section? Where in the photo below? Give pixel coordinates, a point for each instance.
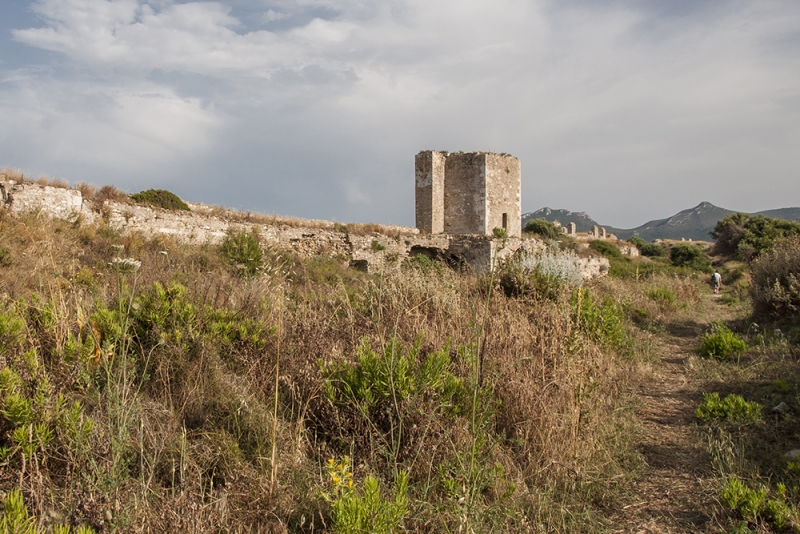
(51, 201)
(465, 193)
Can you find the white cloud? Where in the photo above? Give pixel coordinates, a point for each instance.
(601, 101)
(271, 15)
(132, 129)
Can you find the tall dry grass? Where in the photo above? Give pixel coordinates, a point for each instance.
(174, 368)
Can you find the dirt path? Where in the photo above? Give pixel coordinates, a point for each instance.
(673, 490)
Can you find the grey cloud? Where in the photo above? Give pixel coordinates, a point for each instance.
(629, 110)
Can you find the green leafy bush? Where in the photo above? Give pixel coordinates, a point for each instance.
(377, 378)
(606, 249)
(746, 236)
(732, 408)
(500, 233)
(16, 519)
(753, 504)
(775, 287)
(357, 512)
(720, 342)
(160, 198)
(604, 322)
(242, 251)
(650, 250)
(542, 227)
(663, 297)
(692, 256)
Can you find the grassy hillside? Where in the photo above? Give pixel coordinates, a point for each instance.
(150, 386)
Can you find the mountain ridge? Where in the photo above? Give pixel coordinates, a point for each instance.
(692, 223)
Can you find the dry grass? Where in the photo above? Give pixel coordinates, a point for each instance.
(12, 174)
(182, 407)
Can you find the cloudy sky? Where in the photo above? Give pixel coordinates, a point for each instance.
(629, 110)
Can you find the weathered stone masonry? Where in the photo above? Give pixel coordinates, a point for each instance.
(468, 193)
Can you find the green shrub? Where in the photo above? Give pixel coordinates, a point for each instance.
(747, 502)
(242, 251)
(720, 343)
(753, 504)
(746, 236)
(542, 227)
(663, 297)
(16, 519)
(606, 249)
(775, 287)
(500, 233)
(160, 198)
(377, 378)
(604, 323)
(650, 250)
(377, 246)
(732, 408)
(357, 512)
(692, 256)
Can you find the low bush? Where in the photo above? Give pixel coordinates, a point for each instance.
(650, 250)
(731, 408)
(775, 287)
(606, 249)
(663, 297)
(691, 256)
(746, 236)
(720, 343)
(543, 273)
(754, 504)
(160, 198)
(542, 227)
(16, 520)
(603, 322)
(242, 251)
(500, 233)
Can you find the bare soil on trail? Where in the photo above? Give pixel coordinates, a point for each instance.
(674, 490)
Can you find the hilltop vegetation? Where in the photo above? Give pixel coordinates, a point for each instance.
(693, 223)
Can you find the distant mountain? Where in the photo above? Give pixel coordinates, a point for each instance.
(583, 223)
(790, 214)
(694, 223)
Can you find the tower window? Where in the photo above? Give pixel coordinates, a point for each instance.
(505, 221)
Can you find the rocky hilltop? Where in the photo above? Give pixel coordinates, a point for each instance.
(693, 223)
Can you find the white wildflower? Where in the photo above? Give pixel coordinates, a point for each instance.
(125, 265)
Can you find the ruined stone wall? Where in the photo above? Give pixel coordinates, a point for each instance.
(206, 225)
(503, 194)
(58, 202)
(465, 194)
(429, 173)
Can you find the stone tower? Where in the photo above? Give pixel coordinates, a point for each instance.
(468, 193)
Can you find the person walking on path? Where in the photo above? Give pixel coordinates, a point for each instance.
(716, 281)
